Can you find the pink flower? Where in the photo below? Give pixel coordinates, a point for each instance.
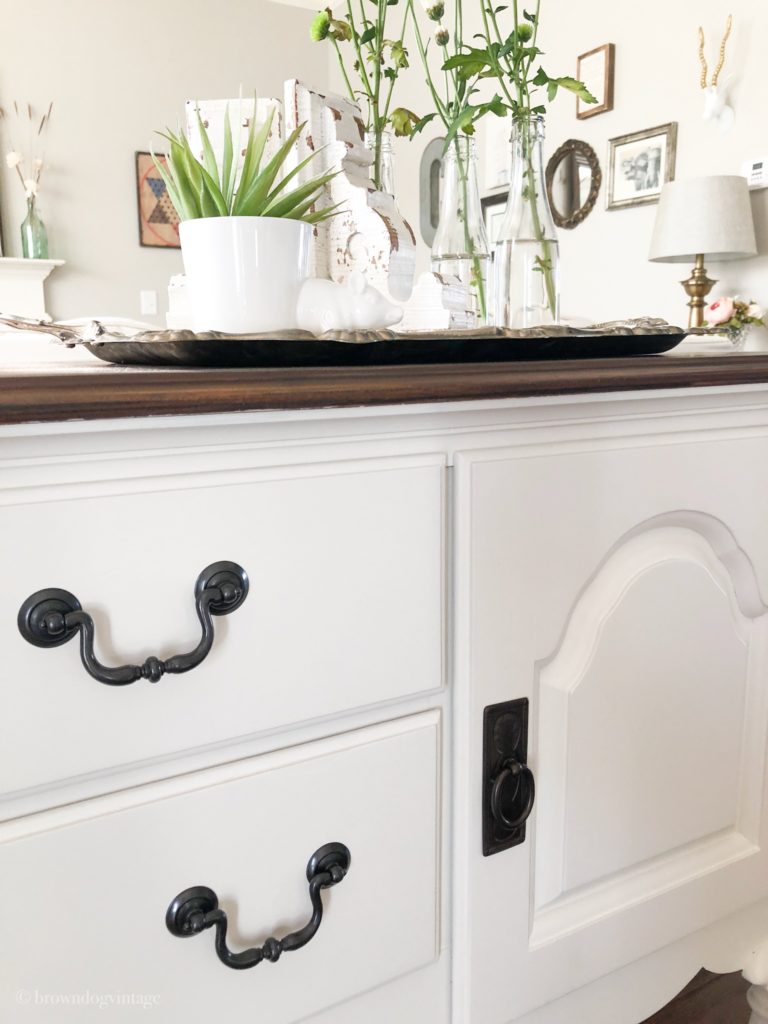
(719, 312)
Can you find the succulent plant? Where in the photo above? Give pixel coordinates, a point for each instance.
(200, 188)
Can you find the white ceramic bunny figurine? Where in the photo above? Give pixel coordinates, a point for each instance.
(327, 306)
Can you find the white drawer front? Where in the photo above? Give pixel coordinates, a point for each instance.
(344, 609)
(89, 899)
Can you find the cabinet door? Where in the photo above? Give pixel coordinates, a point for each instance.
(619, 589)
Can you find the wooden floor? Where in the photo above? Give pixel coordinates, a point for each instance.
(708, 999)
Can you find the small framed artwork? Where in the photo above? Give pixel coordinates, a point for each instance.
(158, 220)
(493, 214)
(639, 165)
(596, 70)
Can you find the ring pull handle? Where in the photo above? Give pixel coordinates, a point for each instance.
(514, 787)
(197, 909)
(52, 617)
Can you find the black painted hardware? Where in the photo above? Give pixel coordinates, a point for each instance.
(52, 617)
(196, 909)
(509, 789)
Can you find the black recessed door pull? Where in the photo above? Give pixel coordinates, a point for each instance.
(514, 782)
(52, 617)
(197, 909)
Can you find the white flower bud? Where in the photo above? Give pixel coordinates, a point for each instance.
(31, 186)
(13, 159)
(435, 9)
(442, 35)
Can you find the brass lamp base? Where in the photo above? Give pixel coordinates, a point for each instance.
(697, 287)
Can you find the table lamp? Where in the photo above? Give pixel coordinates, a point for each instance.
(703, 217)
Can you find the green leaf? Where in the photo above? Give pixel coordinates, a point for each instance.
(322, 215)
(403, 121)
(228, 162)
(254, 152)
(292, 173)
(209, 157)
(399, 55)
(368, 35)
(529, 17)
(282, 206)
(540, 78)
(211, 200)
(251, 204)
(179, 204)
(341, 30)
(422, 123)
(576, 87)
(469, 64)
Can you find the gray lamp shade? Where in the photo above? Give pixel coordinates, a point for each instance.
(710, 216)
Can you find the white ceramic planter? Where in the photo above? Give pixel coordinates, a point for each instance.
(244, 274)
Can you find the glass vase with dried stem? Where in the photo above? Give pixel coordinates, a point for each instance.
(32, 127)
(376, 65)
(526, 278)
(460, 248)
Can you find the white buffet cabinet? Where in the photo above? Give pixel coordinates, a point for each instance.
(605, 557)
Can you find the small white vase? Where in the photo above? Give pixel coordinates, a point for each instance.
(244, 274)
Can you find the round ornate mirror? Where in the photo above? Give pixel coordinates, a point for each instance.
(573, 182)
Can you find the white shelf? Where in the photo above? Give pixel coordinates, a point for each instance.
(22, 286)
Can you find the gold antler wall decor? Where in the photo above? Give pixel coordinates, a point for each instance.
(721, 61)
(715, 106)
(703, 59)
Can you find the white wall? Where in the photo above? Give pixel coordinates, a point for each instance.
(605, 271)
(117, 72)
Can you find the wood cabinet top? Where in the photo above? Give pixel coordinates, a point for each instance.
(109, 392)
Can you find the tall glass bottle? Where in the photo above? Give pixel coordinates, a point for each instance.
(526, 257)
(383, 168)
(461, 246)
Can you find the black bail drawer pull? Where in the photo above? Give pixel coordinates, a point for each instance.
(52, 617)
(197, 909)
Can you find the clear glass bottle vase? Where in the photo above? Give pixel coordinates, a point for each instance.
(34, 237)
(383, 167)
(526, 255)
(461, 248)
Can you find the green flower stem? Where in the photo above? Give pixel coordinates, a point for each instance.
(394, 78)
(444, 113)
(345, 76)
(520, 75)
(440, 107)
(469, 242)
(360, 59)
(546, 248)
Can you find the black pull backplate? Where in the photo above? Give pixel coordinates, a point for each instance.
(509, 789)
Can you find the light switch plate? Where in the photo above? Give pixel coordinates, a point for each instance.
(148, 301)
(756, 172)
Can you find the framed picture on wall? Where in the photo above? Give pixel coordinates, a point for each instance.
(158, 220)
(493, 214)
(596, 70)
(639, 164)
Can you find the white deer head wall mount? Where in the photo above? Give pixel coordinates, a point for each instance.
(715, 106)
